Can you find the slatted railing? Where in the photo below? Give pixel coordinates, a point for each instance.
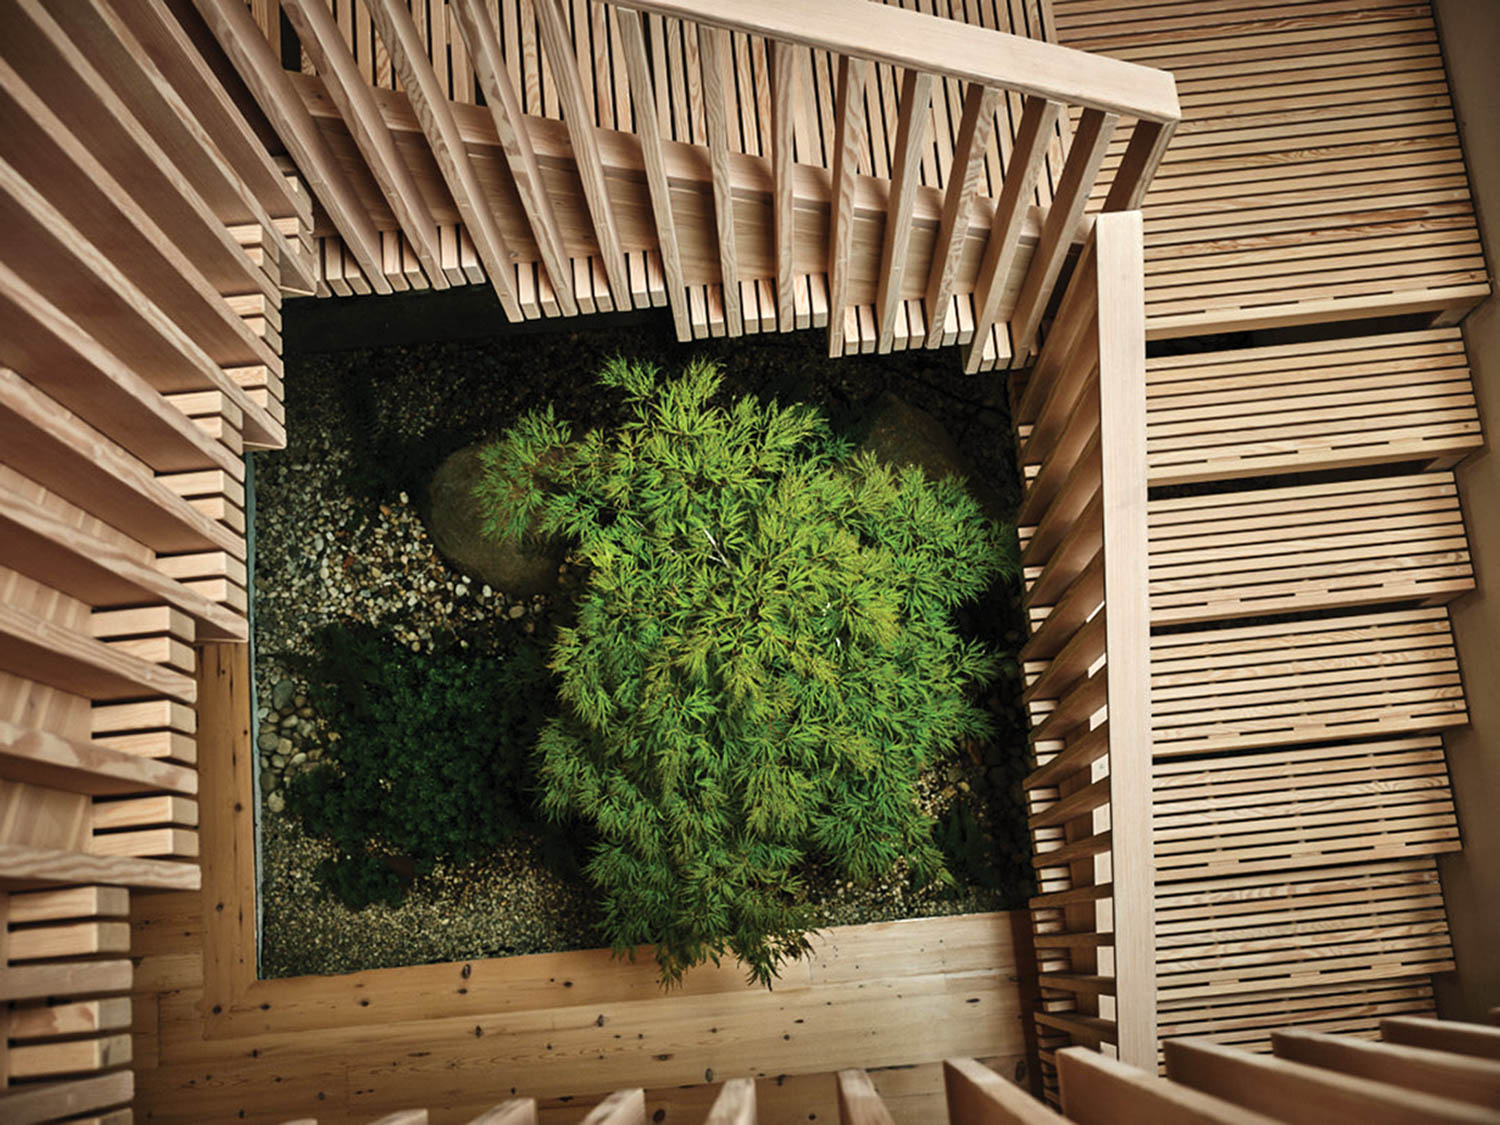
(1079, 416)
(780, 233)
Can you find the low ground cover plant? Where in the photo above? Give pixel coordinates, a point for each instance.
(762, 662)
(430, 761)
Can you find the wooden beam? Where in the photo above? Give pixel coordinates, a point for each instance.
(850, 109)
(1143, 156)
(558, 46)
(964, 176)
(39, 757)
(915, 41)
(38, 544)
(783, 202)
(1473, 1039)
(1307, 1095)
(430, 103)
(1098, 1090)
(714, 50)
(325, 46)
(173, 121)
(735, 1104)
(64, 266)
(623, 1107)
(61, 452)
(488, 61)
(911, 134)
(79, 1017)
(976, 1095)
(257, 64)
(76, 371)
(1461, 1077)
(1119, 257)
(859, 1103)
(1027, 158)
(38, 649)
(1064, 216)
(44, 55)
(648, 126)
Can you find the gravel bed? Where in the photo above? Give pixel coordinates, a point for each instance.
(340, 536)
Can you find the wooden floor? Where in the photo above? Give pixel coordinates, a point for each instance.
(1316, 174)
(213, 1043)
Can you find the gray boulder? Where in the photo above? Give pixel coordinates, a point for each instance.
(455, 520)
(901, 434)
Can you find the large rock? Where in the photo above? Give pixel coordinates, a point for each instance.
(899, 433)
(456, 520)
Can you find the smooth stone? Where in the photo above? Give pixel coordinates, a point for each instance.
(267, 740)
(282, 694)
(456, 523)
(516, 612)
(276, 802)
(283, 746)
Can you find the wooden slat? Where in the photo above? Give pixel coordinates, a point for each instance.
(645, 98)
(978, 1096)
(261, 71)
(1026, 162)
(1292, 1092)
(623, 1107)
(735, 1104)
(335, 63)
(911, 134)
(53, 866)
(480, 35)
(41, 545)
(714, 50)
(859, 1103)
(39, 757)
(965, 179)
(1098, 1090)
(1090, 142)
(581, 132)
(785, 80)
(34, 647)
(435, 115)
(1456, 1037)
(1412, 1068)
(850, 113)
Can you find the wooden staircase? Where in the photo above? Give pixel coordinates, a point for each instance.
(1419, 1071)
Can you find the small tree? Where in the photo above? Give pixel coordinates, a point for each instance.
(762, 661)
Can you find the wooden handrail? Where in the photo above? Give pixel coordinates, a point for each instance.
(915, 41)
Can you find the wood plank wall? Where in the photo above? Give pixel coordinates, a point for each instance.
(892, 200)
(146, 251)
(1316, 175)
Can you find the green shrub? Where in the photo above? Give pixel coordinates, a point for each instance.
(431, 758)
(761, 664)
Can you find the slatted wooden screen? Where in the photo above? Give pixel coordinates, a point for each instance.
(1086, 662)
(149, 239)
(753, 166)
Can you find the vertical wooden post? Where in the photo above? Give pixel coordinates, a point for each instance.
(1119, 257)
(846, 148)
(783, 79)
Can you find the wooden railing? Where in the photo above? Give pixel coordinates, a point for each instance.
(781, 237)
(148, 240)
(1087, 662)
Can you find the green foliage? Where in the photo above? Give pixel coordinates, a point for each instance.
(762, 662)
(431, 758)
